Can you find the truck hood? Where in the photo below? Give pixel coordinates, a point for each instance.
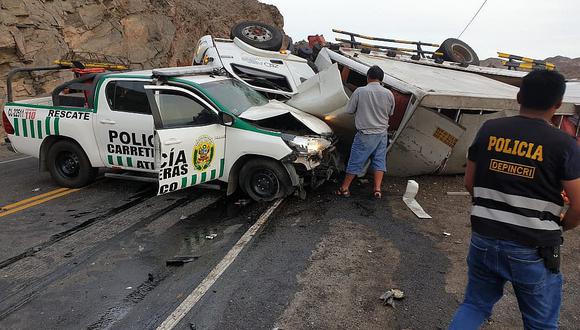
(275, 115)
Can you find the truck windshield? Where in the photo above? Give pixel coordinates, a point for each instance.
(234, 95)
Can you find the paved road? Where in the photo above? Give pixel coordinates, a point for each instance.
(96, 258)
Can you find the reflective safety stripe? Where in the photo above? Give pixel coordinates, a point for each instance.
(513, 219)
(518, 201)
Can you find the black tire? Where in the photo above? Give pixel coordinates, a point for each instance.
(265, 180)
(455, 50)
(259, 35)
(69, 166)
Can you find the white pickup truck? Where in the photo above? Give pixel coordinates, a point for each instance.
(179, 127)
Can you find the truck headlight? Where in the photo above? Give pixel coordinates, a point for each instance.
(306, 146)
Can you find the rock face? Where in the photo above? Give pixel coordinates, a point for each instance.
(149, 33)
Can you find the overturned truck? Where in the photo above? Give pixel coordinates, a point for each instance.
(439, 105)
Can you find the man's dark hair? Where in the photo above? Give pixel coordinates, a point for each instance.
(375, 73)
(542, 89)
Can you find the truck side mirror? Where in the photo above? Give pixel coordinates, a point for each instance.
(227, 119)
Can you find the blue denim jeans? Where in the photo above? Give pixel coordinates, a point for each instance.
(365, 146)
(490, 264)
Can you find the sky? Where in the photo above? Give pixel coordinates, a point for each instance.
(532, 28)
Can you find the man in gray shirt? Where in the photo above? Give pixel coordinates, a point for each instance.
(371, 105)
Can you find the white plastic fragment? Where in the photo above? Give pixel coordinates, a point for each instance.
(409, 199)
(446, 233)
(458, 193)
(211, 236)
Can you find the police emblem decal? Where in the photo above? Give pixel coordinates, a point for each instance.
(203, 153)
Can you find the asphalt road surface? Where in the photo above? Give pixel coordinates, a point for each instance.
(96, 258)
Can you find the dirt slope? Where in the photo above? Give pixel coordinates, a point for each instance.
(150, 33)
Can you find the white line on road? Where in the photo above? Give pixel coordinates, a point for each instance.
(14, 160)
(216, 272)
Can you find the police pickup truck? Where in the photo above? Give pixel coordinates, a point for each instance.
(179, 127)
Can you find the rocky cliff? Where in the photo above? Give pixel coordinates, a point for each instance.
(149, 33)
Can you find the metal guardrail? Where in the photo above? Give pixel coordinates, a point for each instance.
(520, 62)
(418, 51)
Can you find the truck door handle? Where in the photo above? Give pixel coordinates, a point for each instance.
(107, 121)
(172, 141)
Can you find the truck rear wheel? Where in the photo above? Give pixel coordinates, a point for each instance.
(69, 166)
(264, 180)
(259, 35)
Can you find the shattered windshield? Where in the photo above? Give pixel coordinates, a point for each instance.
(234, 95)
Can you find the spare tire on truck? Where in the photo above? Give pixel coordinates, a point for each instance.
(455, 50)
(259, 35)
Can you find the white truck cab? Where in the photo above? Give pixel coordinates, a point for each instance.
(179, 127)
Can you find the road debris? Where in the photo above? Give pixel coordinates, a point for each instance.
(180, 260)
(183, 217)
(389, 296)
(409, 199)
(458, 193)
(242, 202)
(211, 236)
(129, 288)
(36, 190)
(446, 234)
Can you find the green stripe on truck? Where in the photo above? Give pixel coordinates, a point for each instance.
(193, 179)
(32, 128)
(203, 177)
(47, 125)
(129, 161)
(110, 159)
(119, 160)
(183, 182)
(16, 127)
(56, 126)
(39, 128)
(24, 128)
(222, 161)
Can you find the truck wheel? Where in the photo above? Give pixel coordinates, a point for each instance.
(69, 166)
(259, 35)
(455, 50)
(264, 180)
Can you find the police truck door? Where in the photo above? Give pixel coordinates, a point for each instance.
(189, 138)
(124, 125)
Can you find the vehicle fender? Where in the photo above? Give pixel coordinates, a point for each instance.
(233, 176)
(48, 142)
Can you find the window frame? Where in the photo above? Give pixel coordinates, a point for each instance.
(151, 95)
(112, 106)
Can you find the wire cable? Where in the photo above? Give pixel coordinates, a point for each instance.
(474, 16)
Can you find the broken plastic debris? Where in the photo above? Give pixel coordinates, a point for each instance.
(370, 251)
(446, 233)
(180, 260)
(36, 189)
(211, 236)
(458, 193)
(183, 217)
(129, 288)
(389, 296)
(141, 248)
(409, 199)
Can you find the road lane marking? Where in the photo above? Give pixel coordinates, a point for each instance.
(14, 160)
(33, 201)
(185, 306)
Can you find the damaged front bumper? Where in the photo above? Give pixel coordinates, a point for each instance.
(313, 169)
